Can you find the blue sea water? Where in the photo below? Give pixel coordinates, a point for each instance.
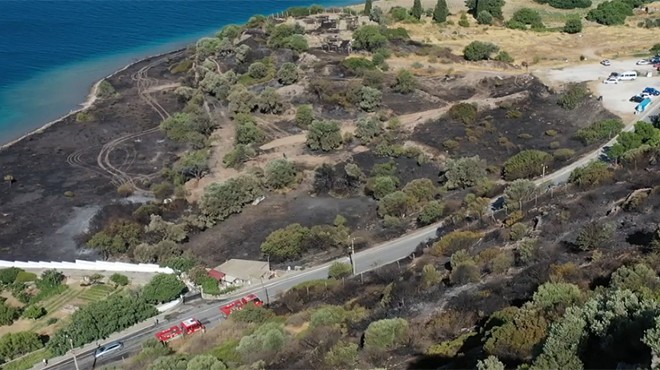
(52, 51)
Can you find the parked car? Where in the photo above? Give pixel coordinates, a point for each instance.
(646, 95)
(651, 91)
(108, 348)
(655, 59)
(643, 62)
(611, 80)
(606, 62)
(636, 99)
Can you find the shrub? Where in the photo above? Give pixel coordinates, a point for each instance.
(527, 163)
(463, 21)
(515, 25)
(258, 70)
(464, 172)
(503, 56)
(163, 288)
(465, 273)
(280, 173)
(515, 333)
(286, 243)
(405, 82)
(34, 312)
(527, 16)
(477, 50)
(563, 154)
(610, 13)
(594, 173)
(573, 25)
(484, 17)
(288, 74)
(367, 129)
(370, 98)
(19, 343)
(395, 204)
(223, 199)
(339, 270)
(270, 101)
(369, 38)
(8, 314)
(324, 135)
(398, 33)
(8, 275)
(455, 241)
(119, 279)
(304, 116)
(494, 7)
(573, 96)
(431, 213)
(566, 4)
(464, 112)
(25, 277)
(600, 130)
(105, 90)
(239, 155)
(594, 235)
(342, 355)
(253, 314)
(386, 334)
(358, 65)
(280, 34)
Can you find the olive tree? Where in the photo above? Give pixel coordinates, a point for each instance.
(280, 173)
(324, 135)
(288, 74)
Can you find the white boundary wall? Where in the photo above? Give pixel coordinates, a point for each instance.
(89, 265)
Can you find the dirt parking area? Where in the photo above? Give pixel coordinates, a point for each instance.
(615, 96)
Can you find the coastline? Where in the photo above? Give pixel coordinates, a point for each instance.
(88, 103)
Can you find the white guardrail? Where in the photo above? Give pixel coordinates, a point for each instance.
(89, 265)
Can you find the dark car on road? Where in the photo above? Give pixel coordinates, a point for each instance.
(651, 91)
(636, 99)
(108, 348)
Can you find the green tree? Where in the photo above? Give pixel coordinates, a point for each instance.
(288, 74)
(431, 212)
(381, 186)
(369, 38)
(440, 12)
(430, 276)
(163, 288)
(484, 17)
(116, 238)
(396, 204)
(464, 172)
(610, 13)
(655, 49)
(286, 243)
(527, 16)
(223, 199)
(8, 275)
(515, 333)
(368, 128)
(573, 25)
(421, 190)
(304, 116)
(417, 11)
(8, 314)
(193, 164)
(339, 270)
(368, 5)
(478, 50)
(494, 7)
(638, 278)
(280, 173)
(526, 164)
(601, 130)
(405, 81)
(455, 241)
(19, 343)
(324, 135)
(172, 362)
(119, 279)
(519, 192)
(554, 298)
(386, 334)
(241, 100)
(476, 206)
(105, 90)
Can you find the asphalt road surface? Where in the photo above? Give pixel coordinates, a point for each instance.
(367, 260)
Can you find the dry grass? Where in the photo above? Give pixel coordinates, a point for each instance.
(204, 342)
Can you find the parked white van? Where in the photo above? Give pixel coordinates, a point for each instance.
(628, 76)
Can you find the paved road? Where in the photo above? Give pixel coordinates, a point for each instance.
(365, 261)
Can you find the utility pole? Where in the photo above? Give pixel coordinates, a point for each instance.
(543, 175)
(73, 352)
(352, 253)
(265, 290)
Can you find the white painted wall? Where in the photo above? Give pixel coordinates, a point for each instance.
(89, 265)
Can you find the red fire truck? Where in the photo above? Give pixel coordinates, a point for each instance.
(239, 304)
(187, 327)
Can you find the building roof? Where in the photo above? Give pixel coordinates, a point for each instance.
(217, 275)
(245, 269)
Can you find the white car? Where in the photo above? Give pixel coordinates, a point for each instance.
(605, 62)
(108, 348)
(611, 80)
(643, 62)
